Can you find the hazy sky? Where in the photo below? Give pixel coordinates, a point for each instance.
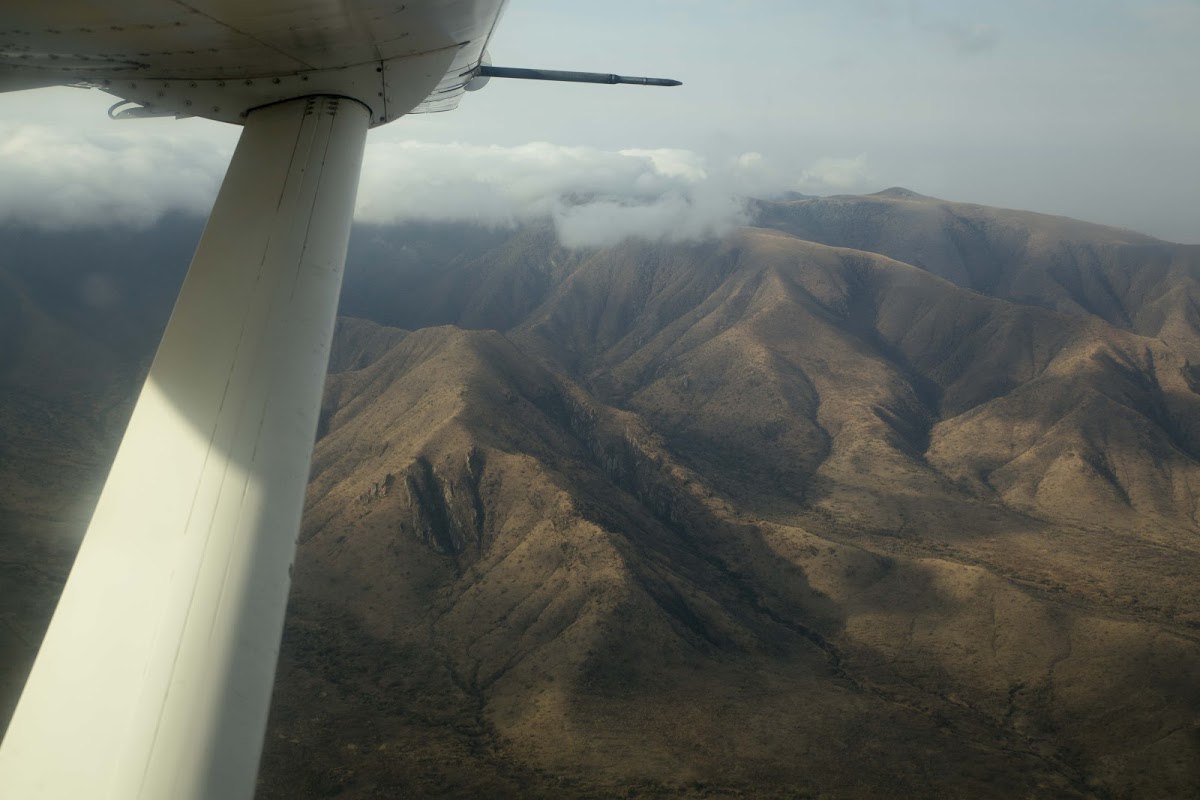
(1090, 109)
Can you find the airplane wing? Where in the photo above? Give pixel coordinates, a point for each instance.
(218, 59)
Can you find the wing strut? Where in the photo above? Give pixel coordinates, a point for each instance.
(488, 71)
(154, 679)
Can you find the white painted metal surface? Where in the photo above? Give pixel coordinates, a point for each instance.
(219, 59)
(155, 677)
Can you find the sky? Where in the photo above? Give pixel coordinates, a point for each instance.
(1085, 108)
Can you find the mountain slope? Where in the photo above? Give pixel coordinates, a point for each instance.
(1130, 280)
(569, 582)
(879, 498)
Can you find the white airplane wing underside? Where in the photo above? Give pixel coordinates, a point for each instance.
(219, 59)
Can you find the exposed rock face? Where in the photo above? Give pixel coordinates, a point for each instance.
(885, 497)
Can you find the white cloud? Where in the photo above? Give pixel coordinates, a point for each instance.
(54, 178)
(595, 197)
(673, 163)
(835, 174)
(674, 216)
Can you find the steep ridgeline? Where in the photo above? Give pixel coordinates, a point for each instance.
(1130, 280)
(883, 497)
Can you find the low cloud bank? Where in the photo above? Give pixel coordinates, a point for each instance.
(595, 197)
(53, 178)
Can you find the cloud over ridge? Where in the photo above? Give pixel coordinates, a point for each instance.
(56, 179)
(594, 197)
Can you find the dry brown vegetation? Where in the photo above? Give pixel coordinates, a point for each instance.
(884, 497)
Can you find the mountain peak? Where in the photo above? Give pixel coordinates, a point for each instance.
(900, 193)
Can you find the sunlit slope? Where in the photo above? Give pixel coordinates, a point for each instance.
(502, 574)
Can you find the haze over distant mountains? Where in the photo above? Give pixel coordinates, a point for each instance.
(883, 496)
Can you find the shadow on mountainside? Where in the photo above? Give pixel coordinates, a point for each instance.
(758, 517)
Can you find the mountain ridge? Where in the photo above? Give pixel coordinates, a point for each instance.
(761, 516)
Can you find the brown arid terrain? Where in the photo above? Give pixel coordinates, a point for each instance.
(883, 496)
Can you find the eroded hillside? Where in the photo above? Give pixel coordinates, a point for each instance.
(882, 497)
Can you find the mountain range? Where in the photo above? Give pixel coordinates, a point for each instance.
(879, 496)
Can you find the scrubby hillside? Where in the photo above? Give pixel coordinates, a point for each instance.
(884, 496)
